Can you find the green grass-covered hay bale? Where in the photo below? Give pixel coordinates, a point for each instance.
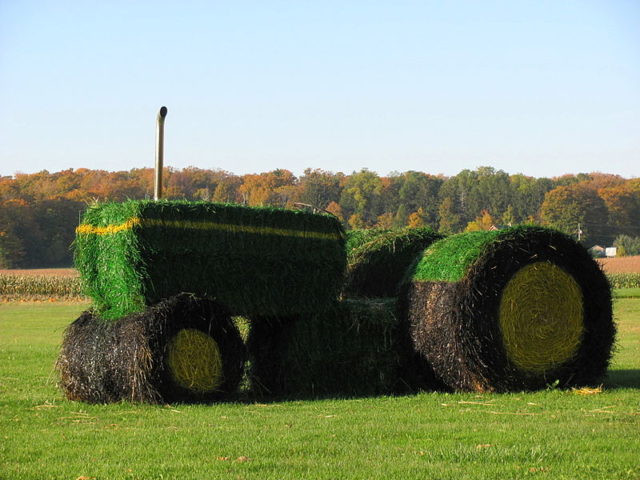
(355, 238)
(181, 349)
(516, 309)
(350, 349)
(376, 267)
(252, 260)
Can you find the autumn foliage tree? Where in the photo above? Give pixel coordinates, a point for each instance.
(39, 211)
(623, 203)
(578, 211)
(484, 222)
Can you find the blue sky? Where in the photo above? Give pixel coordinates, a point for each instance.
(536, 87)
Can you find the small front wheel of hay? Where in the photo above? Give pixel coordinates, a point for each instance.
(200, 352)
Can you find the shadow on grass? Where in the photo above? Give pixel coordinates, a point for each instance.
(623, 379)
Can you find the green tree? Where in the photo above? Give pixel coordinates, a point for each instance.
(11, 250)
(627, 245)
(449, 220)
(361, 196)
(474, 191)
(508, 217)
(319, 188)
(527, 196)
(400, 218)
(420, 191)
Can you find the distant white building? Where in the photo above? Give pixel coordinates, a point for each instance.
(611, 252)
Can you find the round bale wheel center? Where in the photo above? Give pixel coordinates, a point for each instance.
(194, 361)
(541, 317)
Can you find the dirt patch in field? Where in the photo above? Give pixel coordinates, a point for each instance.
(621, 264)
(43, 272)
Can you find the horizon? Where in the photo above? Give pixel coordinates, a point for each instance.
(297, 176)
(541, 88)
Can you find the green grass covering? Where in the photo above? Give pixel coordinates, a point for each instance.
(376, 267)
(549, 434)
(355, 238)
(449, 260)
(252, 260)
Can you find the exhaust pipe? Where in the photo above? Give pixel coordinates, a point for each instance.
(157, 184)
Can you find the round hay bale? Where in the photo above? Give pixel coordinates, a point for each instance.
(517, 309)
(376, 267)
(182, 349)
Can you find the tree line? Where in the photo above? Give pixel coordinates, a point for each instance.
(38, 212)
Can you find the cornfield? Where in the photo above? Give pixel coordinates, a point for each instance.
(64, 284)
(622, 272)
(39, 285)
(624, 280)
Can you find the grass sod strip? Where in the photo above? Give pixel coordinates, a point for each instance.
(252, 260)
(350, 349)
(182, 349)
(376, 267)
(522, 308)
(356, 238)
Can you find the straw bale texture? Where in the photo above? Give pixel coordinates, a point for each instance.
(194, 360)
(182, 349)
(516, 309)
(540, 317)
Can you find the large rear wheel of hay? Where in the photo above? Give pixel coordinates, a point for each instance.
(202, 354)
(519, 309)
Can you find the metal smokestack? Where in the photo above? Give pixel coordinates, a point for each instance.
(157, 185)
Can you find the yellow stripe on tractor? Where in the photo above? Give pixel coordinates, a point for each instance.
(86, 229)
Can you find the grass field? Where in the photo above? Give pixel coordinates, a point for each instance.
(548, 434)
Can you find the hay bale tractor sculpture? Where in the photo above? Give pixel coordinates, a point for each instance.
(329, 313)
(493, 311)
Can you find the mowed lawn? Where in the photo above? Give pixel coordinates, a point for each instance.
(548, 434)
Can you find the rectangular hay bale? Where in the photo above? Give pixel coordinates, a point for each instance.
(255, 261)
(352, 348)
